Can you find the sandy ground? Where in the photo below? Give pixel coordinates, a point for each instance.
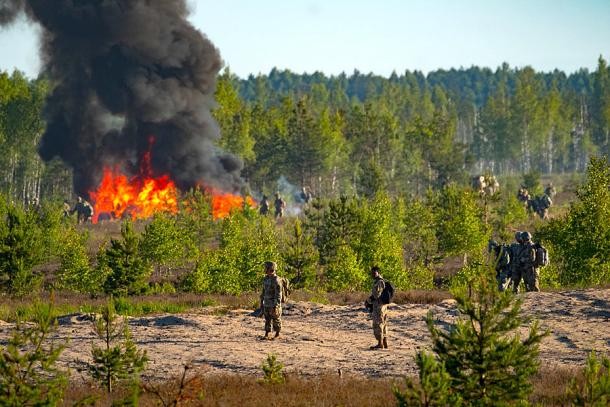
(323, 339)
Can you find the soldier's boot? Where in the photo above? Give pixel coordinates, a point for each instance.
(385, 343)
(266, 335)
(276, 336)
(378, 346)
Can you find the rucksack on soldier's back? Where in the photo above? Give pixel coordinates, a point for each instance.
(542, 256)
(286, 288)
(387, 293)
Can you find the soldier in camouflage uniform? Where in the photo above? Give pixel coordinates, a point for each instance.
(379, 310)
(264, 206)
(500, 257)
(514, 251)
(528, 257)
(271, 300)
(279, 205)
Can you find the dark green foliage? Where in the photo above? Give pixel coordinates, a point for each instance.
(122, 263)
(531, 181)
(21, 248)
(118, 359)
(300, 256)
(594, 391)
(273, 370)
(344, 272)
(434, 387)
(489, 364)
(580, 240)
(28, 375)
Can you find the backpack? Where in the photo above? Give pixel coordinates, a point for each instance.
(286, 289)
(387, 293)
(546, 202)
(542, 256)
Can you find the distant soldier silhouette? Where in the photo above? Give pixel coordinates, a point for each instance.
(279, 205)
(271, 300)
(264, 206)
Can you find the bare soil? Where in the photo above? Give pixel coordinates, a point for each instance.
(332, 339)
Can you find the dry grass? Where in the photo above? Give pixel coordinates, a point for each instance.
(199, 389)
(233, 390)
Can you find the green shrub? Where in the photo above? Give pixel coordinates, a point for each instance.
(273, 370)
(22, 246)
(594, 391)
(122, 263)
(344, 272)
(28, 372)
(165, 243)
(118, 358)
(300, 256)
(75, 271)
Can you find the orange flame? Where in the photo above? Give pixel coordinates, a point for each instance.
(139, 197)
(223, 203)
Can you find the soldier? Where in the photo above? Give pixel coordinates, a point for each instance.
(79, 208)
(67, 209)
(87, 211)
(514, 251)
(523, 195)
(379, 310)
(550, 190)
(279, 204)
(527, 263)
(305, 195)
(542, 206)
(264, 206)
(271, 300)
(501, 262)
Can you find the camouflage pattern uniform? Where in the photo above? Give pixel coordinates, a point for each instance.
(527, 256)
(501, 260)
(279, 204)
(514, 251)
(379, 312)
(264, 206)
(550, 190)
(271, 303)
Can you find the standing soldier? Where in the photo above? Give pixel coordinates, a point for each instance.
(527, 263)
(305, 195)
(271, 300)
(379, 310)
(279, 204)
(523, 195)
(79, 208)
(264, 206)
(550, 190)
(501, 261)
(514, 252)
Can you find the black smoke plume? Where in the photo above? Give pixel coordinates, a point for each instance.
(122, 71)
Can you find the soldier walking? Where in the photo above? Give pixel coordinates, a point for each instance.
(279, 204)
(501, 261)
(264, 206)
(530, 272)
(271, 300)
(379, 310)
(514, 252)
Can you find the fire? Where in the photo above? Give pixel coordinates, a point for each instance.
(139, 197)
(223, 203)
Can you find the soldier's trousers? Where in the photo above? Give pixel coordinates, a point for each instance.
(380, 321)
(516, 275)
(273, 315)
(503, 278)
(531, 277)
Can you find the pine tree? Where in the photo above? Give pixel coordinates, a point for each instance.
(124, 265)
(28, 372)
(595, 390)
(489, 364)
(118, 359)
(300, 256)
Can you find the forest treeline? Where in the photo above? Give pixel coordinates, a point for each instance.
(360, 133)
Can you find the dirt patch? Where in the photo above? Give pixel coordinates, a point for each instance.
(327, 339)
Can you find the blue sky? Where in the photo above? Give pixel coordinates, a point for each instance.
(384, 35)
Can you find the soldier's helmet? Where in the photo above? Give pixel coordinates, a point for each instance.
(270, 265)
(526, 236)
(79, 199)
(277, 194)
(518, 236)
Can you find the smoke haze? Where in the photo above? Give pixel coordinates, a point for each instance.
(125, 70)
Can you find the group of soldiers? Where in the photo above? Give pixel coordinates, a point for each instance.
(486, 185)
(279, 204)
(82, 208)
(518, 261)
(271, 305)
(538, 204)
